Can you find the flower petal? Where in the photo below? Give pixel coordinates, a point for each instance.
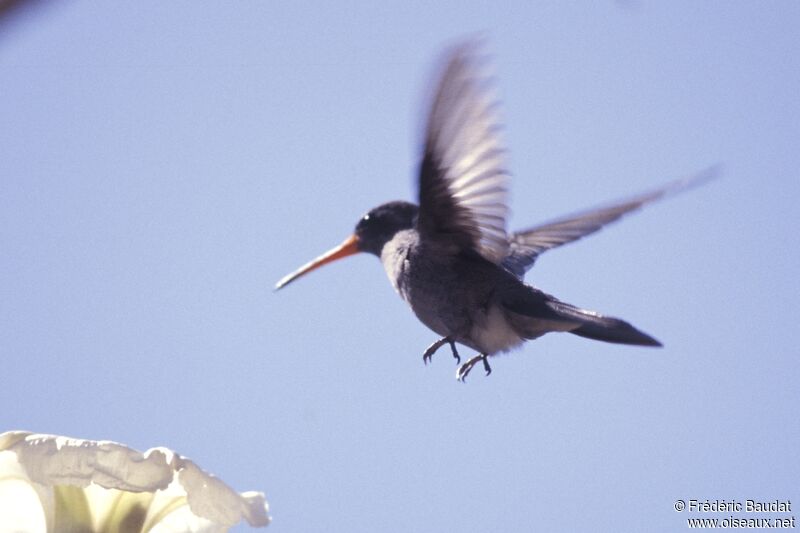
(20, 507)
(52, 460)
(165, 491)
(208, 496)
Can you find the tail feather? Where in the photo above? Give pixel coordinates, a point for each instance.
(533, 313)
(602, 328)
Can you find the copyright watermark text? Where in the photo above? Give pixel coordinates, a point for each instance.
(752, 514)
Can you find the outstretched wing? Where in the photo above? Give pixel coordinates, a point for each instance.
(463, 183)
(526, 246)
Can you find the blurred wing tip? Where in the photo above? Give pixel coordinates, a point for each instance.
(470, 49)
(697, 179)
(710, 173)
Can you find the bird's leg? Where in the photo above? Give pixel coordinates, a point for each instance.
(465, 369)
(455, 352)
(435, 346)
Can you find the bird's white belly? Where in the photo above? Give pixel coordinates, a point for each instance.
(494, 334)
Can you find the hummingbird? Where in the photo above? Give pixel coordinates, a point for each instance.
(451, 258)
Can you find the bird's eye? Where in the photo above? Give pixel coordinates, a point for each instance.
(366, 217)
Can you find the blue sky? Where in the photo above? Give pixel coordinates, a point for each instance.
(163, 164)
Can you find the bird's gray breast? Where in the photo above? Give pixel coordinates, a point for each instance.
(451, 295)
(426, 280)
(395, 259)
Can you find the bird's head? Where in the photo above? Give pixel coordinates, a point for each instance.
(377, 227)
(372, 232)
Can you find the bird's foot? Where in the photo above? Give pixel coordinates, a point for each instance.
(465, 369)
(428, 355)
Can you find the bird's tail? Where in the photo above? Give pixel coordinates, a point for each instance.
(601, 328)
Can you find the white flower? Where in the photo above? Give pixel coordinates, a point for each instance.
(56, 484)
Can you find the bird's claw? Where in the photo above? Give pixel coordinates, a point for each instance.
(428, 355)
(464, 370)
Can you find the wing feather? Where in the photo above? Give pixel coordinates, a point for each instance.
(463, 183)
(526, 246)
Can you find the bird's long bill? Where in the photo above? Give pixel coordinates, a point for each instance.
(348, 247)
